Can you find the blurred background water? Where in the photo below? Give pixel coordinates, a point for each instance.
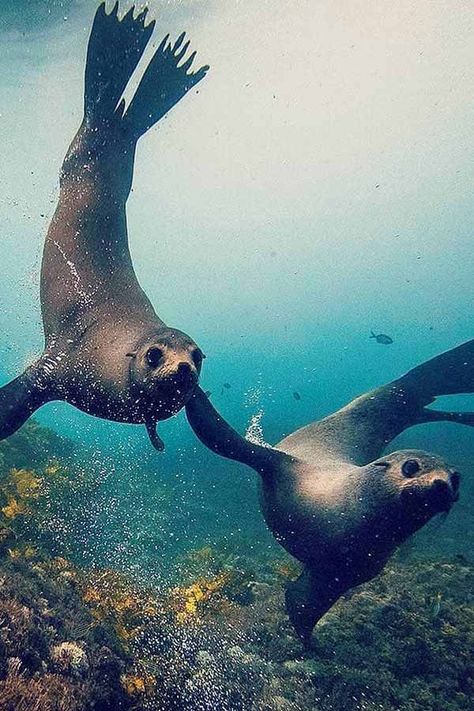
(317, 187)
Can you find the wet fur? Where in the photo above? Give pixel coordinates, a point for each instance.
(96, 316)
(328, 495)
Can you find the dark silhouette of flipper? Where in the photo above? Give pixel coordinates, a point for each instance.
(361, 430)
(163, 84)
(307, 599)
(18, 401)
(114, 50)
(156, 441)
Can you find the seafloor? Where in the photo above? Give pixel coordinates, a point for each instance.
(95, 638)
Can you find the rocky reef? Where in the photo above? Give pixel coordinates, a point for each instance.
(74, 637)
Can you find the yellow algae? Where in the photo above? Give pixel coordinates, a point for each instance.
(30, 552)
(91, 595)
(26, 483)
(188, 602)
(14, 508)
(134, 684)
(15, 553)
(52, 468)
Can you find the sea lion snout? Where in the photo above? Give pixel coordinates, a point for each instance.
(441, 495)
(181, 371)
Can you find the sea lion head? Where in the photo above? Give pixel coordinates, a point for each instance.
(164, 370)
(421, 485)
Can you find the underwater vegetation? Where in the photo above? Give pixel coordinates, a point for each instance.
(75, 637)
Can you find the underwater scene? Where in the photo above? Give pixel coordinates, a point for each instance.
(237, 355)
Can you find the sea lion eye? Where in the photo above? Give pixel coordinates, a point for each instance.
(154, 356)
(197, 356)
(410, 467)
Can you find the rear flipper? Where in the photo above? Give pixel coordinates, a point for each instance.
(18, 400)
(164, 83)
(114, 50)
(461, 418)
(450, 373)
(307, 599)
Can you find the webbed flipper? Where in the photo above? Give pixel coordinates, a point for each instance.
(308, 598)
(156, 441)
(165, 81)
(214, 432)
(18, 401)
(114, 50)
(360, 431)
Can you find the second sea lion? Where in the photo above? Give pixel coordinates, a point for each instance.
(332, 498)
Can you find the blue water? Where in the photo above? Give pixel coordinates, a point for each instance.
(318, 187)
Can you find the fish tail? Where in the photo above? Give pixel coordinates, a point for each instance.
(114, 50)
(372, 335)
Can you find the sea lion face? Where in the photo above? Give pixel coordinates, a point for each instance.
(165, 369)
(423, 485)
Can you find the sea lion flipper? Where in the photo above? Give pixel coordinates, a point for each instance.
(163, 84)
(156, 441)
(214, 432)
(114, 50)
(360, 431)
(18, 400)
(307, 599)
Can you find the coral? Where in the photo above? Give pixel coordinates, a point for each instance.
(217, 637)
(70, 657)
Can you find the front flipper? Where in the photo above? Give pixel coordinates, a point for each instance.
(213, 431)
(156, 441)
(19, 399)
(307, 599)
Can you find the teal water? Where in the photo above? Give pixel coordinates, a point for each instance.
(318, 187)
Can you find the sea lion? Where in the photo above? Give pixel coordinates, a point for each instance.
(106, 350)
(330, 496)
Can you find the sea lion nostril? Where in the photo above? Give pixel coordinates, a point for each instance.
(183, 368)
(441, 495)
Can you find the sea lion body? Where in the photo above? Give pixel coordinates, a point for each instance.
(106, 350)
(330, 496)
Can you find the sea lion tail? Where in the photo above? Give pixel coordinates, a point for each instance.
(18, 400)
(307, 600)
(163, 84)
(114, 50)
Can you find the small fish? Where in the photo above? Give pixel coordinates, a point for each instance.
(227, 386)
(208, 393)
(296, 395)
(436, 605)
(381, 338)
